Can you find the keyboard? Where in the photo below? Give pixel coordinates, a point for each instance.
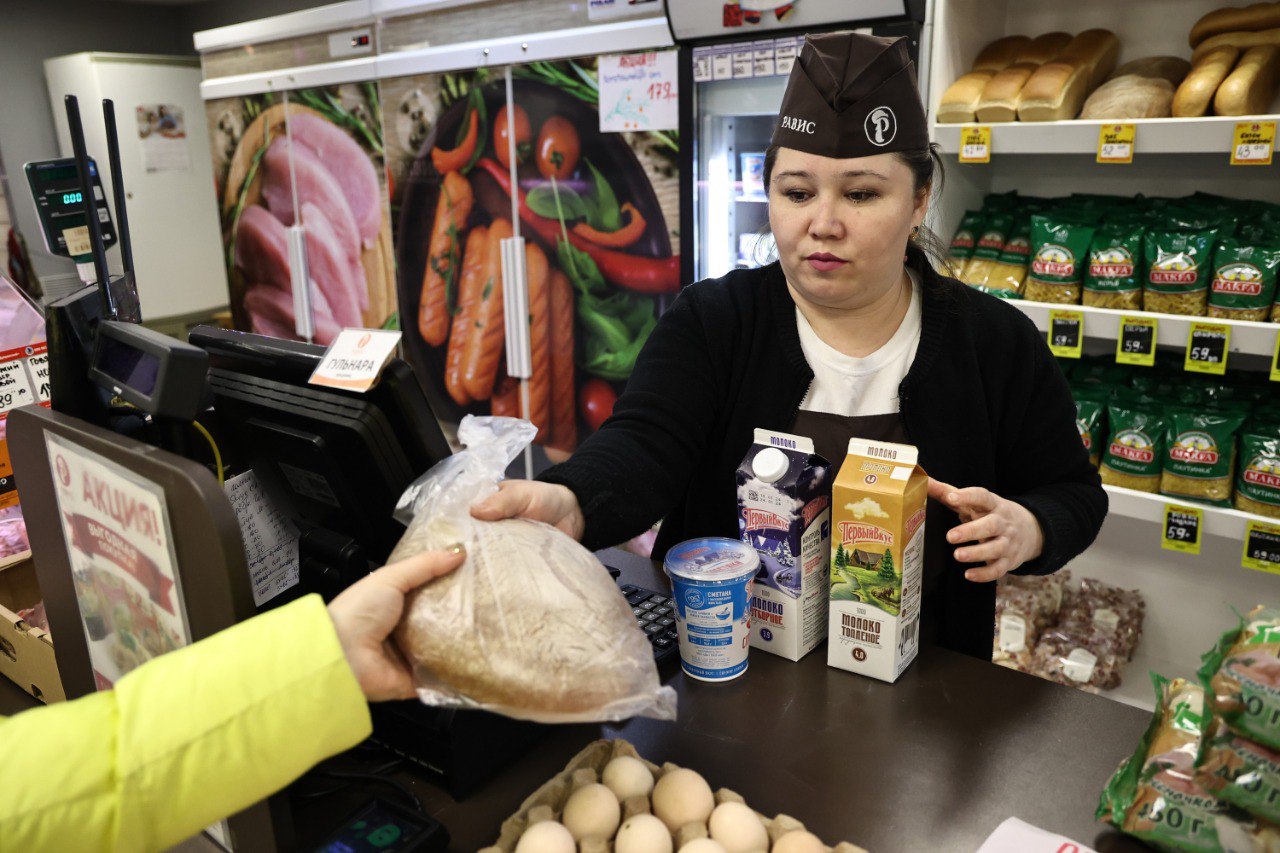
(656, 616)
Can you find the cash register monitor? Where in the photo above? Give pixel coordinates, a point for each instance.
(335, 461)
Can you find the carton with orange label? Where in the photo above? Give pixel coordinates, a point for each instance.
(877, 559)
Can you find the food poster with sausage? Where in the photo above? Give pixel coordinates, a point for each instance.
(599, 213)
(326, 142)
(120, 545)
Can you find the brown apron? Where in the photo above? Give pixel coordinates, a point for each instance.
(831, 434)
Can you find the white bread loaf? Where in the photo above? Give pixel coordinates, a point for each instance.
(999, 101)
(1196, 92)
(1044, 48)
(1238, 40)
(1056, 92)
(960, 101)
(1130, 96)
(1251, 87)
(1259, 16)
(1171, 68)
(1001, 53)
(1096, 50)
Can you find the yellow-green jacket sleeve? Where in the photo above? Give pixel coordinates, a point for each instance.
(183, 741)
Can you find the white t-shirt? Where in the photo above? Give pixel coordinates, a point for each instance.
(844, 385)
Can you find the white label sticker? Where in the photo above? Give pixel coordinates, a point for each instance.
(901, 473)
(743, 62)
(1013, 633)
(722, 65)
(1079, 665)
(702, 66)
(355, 359)
(1106, 620)
(639, 91)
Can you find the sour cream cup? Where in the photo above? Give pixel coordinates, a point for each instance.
(711, 585)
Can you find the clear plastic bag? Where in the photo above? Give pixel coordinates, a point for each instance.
(531, 625)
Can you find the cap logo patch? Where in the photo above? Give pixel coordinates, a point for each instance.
(798, 125)
(881, 126)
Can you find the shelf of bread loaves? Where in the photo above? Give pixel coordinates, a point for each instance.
(1147, 506)
(1051, 93)
(1247, 337)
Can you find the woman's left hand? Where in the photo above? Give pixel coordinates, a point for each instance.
(1001, 533)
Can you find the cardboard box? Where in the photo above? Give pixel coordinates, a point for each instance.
(784, 512)
(877, 562)
(26, 652)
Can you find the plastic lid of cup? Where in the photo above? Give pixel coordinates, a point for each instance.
(713, 560)
(770, 464)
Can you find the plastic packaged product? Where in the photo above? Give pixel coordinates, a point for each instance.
(531, 625)
(965, 239)
(1111, 616)
(1010, 270)
(1241, 676)
(1200, 454)
(711, 583)
(1115, 263)
(1244, 280)
(1135, 448)
(1154, 795)
(1091, 418)
(1059, 253)
(999, 292)
(1258, 482)
(1073, 656)
(991, 240)
(1025, 607)
(1241, 772)
(1179, 263)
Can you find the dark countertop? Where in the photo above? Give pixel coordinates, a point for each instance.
(936, 761)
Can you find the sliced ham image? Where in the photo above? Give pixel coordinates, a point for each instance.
(341, 282)
(262, 248)
(262, 255)
(270, 312)
(349, 164)
(316, 184)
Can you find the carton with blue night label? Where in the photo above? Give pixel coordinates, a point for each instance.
(784, 513)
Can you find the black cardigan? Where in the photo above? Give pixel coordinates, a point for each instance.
(984, 401)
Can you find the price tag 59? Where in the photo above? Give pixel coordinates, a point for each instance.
(1262, 547)
(1066, 333)
(1182, 526)
(1207, 347)
(1137, 341)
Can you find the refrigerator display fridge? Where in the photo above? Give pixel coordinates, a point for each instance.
(735, 69)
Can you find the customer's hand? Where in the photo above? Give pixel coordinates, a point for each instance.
(547, 502)
(366, 613)
(1006, 533)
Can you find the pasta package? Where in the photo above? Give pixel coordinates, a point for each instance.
(1244, 281)
(1200, 454)
(965, 239)
(1091, 415)
(1241, 772)
(1155, 795)
(1135, 447)
(1010, 270)
(991, 239)
(1178, 266)
(1115, 262)
(1258, 483)
(1241, 676)
(1059, 252)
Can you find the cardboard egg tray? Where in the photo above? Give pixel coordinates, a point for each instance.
(585, 768)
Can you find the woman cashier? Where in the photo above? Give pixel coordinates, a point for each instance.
(850, 333)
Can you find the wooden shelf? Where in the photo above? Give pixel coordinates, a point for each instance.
(1209, 135)
(1247, 337)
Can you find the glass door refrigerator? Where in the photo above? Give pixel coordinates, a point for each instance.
(735, 65)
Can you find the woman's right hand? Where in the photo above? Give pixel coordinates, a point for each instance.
(547, 502)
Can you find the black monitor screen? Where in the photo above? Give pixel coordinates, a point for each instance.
(129, 366)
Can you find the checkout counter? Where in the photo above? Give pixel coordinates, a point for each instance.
(934, 762)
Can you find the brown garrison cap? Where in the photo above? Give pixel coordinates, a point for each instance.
(852, 95)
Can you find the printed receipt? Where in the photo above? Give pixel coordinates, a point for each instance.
(270, 539)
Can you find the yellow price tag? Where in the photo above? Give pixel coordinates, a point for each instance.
(1181, 530)
(1115, 143)
(1254, 143)
(78, 242)
(1066, 333)
(975, 145)
(1207, 346)
(1262, 547)
(1136, 343)
(1275, 361)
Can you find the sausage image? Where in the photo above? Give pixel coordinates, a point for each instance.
(486, 335)
(475, 270)
(452, 210)
(564, 419)
(538, 272)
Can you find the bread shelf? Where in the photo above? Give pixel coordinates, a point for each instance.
(1144, 506)
(1247, 338)
(1210, 135)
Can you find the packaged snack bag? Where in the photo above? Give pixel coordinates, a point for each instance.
(1241, 676)
(1200, 454)
(1111, 615)
(1241, 772)
(1244, 280)
(1135, 447)
(1115, 265)
(1059, 254)
(1179, 263)
(1073, 655)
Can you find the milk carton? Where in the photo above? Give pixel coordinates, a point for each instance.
(877, 559)
(784, 512)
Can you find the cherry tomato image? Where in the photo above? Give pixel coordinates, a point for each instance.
(595, 402)
(523, 130)
(558, 148)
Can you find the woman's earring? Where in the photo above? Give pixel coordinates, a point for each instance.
(915, 232)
